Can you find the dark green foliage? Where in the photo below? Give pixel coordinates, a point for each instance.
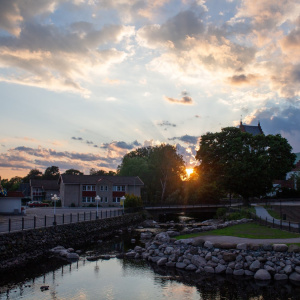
(101, 172)
(244, 164)
(51, 173)
(159, 167)
(73, 172)
(132, 201)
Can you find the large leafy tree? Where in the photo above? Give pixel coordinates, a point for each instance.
(241, 163)
(159, 167)
(11, 185)
(51, 173)
(73, 172)
(102, 172)
(33, 174)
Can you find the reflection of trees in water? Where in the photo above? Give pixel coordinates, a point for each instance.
(227, 287)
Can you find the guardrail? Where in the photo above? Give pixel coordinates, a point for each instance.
(13, 224)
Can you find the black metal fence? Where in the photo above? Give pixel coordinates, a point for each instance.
(22, 223)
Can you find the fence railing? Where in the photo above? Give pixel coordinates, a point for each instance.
(13, 224)
(274, 223)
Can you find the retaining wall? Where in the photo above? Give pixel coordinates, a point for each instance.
(18, 248)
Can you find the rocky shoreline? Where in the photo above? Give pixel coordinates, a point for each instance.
(279, 262)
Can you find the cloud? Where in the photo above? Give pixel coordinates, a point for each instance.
(189, 139)
(243, 79)
(166, 123)
(77, 138)
(121, 145)
(184, 100)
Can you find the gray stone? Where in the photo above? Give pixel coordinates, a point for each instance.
(171, 264)
(162, 261)
(280, 247)
(180, 265)
(225, 245)
(191, 267)
(162, 237)
(242, 246)
(288, 269)
(280, 277)
(72, 256)
(239, 272)
(208, 245)
(262, 274)
(198, 261)
(229, 257)
(297, 269)
(209, 270)
(219, 269)
(229, 271)
(254, 266)
(295, 277)
(249, 273)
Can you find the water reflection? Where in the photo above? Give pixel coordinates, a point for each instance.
(132, 279)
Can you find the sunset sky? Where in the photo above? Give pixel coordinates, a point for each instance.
(83, 82)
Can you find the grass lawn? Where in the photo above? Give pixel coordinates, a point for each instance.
(247, 230)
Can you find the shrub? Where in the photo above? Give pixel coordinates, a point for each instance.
(133, 201)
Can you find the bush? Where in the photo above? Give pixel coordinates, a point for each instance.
(133, 201)
(221, 212)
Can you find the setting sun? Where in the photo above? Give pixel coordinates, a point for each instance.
(189, 171)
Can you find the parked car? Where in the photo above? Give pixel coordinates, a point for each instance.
(37, 204)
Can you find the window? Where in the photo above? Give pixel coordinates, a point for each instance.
(106, 188)
(116, 199)
(106, 200)
(89, 188)
(119, 188)
(101, 188)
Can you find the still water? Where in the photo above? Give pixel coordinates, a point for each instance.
(125, 279)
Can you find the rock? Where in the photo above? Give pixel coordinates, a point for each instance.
(180, 265)
(198, 261)
(146, 235)
(294, 248)
(219, 269)
(242, 246)
(280, 247)
(295, 276)
(162, 261)
(297, 269)
(279, 277)
(229, 257)
(239, 272)
(267, 247)
(225, 245)
(198, 242)
(208, 245)
(288, 269)
(254, 266)
(130, 254)
(209, 270)
(133, 241)
(170, 264)
(262, 274)
(162, 237)
(168, 250)
(249, 273)
(72, 256)
(229, 271)
(191, 267)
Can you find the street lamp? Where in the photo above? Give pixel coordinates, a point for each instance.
(97, 198)
(122, 202)
(55, 198)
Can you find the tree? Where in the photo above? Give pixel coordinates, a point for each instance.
(33, 174)
(13, 184)
(159, 167)
(73, 172)
(51, 173)
(242, 163)
(102, 172)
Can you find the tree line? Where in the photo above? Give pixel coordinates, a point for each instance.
(230, 162)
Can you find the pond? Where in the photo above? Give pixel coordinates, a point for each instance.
(129, 279)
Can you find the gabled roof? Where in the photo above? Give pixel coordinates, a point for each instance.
(98, 179)
(45, 184)
(254, 130)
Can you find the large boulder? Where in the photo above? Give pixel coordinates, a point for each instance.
(255, 266)
(280, 247)
(162, 237)
(295, 277)
(262, 274)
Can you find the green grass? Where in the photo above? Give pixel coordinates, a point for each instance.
(272, 212)
(247, 230)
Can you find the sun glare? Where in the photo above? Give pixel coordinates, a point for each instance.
(189, 171)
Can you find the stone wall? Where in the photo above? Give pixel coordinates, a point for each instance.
(24, 246)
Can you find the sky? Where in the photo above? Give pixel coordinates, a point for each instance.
(83, 82)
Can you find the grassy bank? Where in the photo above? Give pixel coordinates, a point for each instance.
(247, 230)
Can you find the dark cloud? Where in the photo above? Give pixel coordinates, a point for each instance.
(185, 24)
(166, 123)
(121, 145)
(77, 138)
(186, 139)
(184, 100)
(242, 79)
